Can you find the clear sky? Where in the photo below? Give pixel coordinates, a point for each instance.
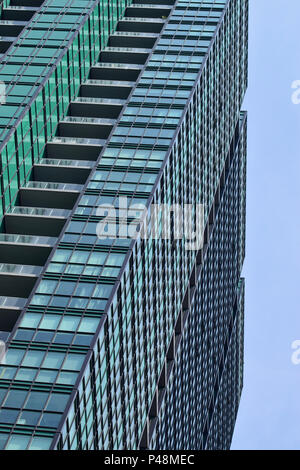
(269, 415)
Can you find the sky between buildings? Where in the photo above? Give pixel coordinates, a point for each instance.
(269, 414)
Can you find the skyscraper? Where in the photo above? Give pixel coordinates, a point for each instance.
(119, 342)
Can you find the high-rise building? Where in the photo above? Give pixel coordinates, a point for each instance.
(112, 341)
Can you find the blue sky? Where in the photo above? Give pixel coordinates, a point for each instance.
(269, 413)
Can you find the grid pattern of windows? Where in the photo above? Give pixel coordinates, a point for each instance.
(141, 318)
(73, 55)
(97, 332)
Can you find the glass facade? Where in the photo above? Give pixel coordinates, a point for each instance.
(42, 72)
(118, 343)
